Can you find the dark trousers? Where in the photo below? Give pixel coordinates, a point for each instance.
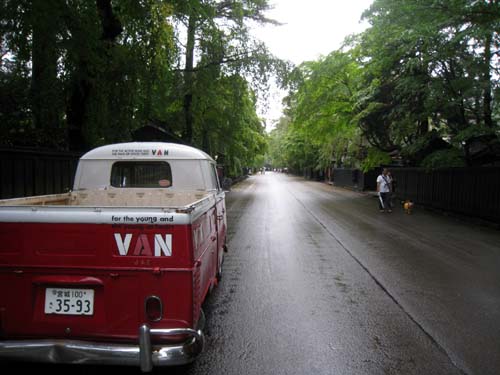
(384, 201)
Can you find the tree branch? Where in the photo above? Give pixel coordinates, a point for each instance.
(228, 60)
(111, 25)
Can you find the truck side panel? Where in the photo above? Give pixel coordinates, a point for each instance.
(205, 250)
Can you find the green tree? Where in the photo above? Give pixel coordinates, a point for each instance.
(228, 124)
(119, 67)
(427, 65)
(321, 116)
(217, 31)
(84, 73)
(96, 68)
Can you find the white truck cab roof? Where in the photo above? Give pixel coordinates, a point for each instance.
(184, 168)
(146, 151)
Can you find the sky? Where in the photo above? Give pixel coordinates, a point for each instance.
(311, 28)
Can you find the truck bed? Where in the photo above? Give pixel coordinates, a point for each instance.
(112, 198)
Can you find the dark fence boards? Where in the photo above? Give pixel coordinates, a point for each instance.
(31, 172)
(469, 191)
(355, 179)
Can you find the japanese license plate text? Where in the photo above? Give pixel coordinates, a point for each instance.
(69, 301)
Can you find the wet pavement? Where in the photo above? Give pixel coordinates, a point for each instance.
(317, 281)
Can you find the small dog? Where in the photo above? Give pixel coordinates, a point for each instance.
(408, 206)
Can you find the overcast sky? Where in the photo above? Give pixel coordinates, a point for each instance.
(311, 28)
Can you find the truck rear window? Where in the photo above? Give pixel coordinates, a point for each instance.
(141, 174)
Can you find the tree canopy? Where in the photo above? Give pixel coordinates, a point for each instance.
(76, 74)
(420, 85)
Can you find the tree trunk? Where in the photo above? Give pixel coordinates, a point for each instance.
(111, 25)
(422, 124)
(488, 121)
(423, 127)
(77, 108)
(45, 93)
(82, 89)
(188, 81)
(206, 142)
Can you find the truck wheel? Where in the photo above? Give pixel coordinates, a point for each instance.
(219, 270)
(219, 274)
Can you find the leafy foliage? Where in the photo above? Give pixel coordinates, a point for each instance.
(374, 159)
(444, 158)
(75, 74)
(429, 65)
(321, 126)
(419, 83)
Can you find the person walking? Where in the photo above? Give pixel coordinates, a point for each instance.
(384, 188)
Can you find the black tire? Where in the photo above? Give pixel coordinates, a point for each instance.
(218, 275)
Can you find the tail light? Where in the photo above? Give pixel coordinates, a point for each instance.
(154, 308)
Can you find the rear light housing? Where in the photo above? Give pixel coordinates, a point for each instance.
(153, 308)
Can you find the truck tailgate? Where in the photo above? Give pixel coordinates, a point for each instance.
(113, 268)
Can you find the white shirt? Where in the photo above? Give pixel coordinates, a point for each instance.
(385, 183)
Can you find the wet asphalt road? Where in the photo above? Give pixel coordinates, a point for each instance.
(317, 281)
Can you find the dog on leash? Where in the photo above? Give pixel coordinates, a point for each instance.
(408, 206)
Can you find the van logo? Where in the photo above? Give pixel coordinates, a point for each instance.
(160, 152)
(162, 245)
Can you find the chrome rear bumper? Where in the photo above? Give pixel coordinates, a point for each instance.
(144, 355)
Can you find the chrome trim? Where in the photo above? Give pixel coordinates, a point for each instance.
(146, 355)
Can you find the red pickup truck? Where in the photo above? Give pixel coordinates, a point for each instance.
(115, 271)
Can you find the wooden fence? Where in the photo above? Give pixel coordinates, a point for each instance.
(355, 179)
(469, 191)
(33, 172)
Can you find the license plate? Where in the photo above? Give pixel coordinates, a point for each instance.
(69, 301)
